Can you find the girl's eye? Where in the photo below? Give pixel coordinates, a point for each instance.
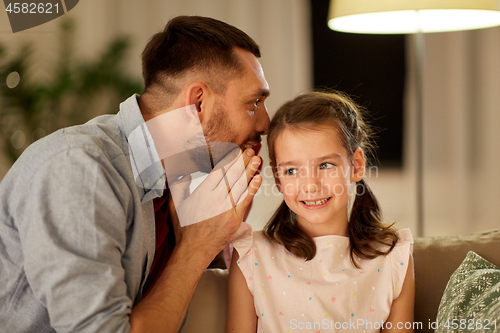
(291, 172)
(326, 165)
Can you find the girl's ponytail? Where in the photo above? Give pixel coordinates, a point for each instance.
(366, 231)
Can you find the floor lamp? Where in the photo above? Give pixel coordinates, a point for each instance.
(413, 17)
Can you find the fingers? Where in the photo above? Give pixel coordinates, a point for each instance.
(235, 169)
(236, 161)
(225, 186)
(235, 175)
(216, 177)
(248, 195)
(239, 188)
(250, 164)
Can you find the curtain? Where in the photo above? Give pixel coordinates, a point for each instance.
(461, 103)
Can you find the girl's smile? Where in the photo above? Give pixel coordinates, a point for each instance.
(317, 204)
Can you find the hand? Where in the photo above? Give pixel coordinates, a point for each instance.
(212, 214)
(249, 208)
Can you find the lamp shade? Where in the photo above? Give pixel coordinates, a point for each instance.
(411, 16)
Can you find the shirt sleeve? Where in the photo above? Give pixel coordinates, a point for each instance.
(73, 240)
(243, 243)
(400, 257)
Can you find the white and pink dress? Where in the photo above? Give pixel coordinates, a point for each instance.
(325, 294)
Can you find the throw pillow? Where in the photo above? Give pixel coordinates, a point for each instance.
(471, 300)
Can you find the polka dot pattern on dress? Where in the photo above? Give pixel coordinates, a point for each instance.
(330, 283)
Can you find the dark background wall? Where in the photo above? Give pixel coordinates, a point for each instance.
(371, 69)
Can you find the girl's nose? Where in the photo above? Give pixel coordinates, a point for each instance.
(312, 184)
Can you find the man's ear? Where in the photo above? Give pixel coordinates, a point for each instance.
(275, 175)
(358, 169)
(197, 94)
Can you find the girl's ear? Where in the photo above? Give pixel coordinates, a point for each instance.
(275, 175)
(358, 169)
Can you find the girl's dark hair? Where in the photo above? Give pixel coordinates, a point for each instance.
(366, 231)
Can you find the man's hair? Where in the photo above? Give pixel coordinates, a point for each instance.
(195, 44)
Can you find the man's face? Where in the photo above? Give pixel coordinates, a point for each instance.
(220, 136)
(239, 115)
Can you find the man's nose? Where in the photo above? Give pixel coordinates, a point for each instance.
(263, 121)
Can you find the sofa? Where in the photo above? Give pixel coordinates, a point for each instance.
(435, 260)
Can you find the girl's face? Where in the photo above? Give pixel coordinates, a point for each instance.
(314, 172)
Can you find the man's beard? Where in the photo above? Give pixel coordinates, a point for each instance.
(220, 137)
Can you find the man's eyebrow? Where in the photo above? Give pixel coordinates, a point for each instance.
(262, 93)
(326, 157)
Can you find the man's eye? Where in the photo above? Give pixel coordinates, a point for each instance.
(256, 103)
(326, 165)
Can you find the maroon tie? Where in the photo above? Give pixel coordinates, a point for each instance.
(165, 241)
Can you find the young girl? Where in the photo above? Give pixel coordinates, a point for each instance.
(313, 268)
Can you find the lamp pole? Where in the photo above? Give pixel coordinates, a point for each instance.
(419, 63)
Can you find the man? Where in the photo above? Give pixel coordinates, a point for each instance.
(85, 245)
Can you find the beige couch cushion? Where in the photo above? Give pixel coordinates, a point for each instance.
(207, 311)
(436, 258)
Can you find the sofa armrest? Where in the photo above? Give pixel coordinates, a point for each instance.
(435, 260)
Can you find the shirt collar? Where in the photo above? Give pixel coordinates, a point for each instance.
(146, 165)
